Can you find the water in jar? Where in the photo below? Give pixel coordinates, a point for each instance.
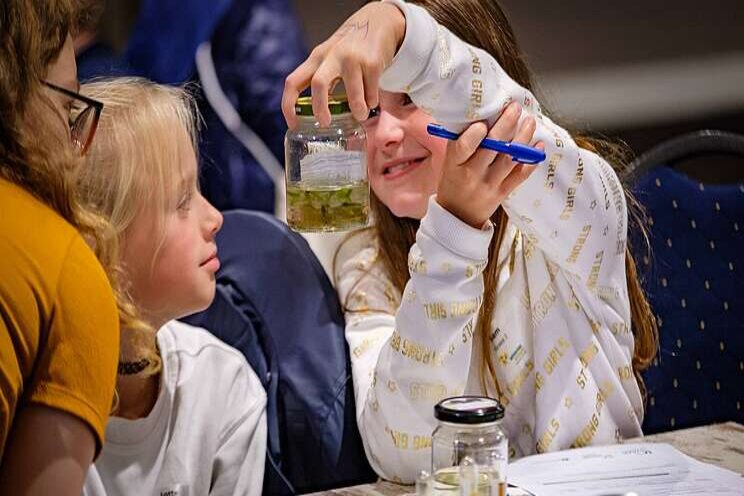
(327, 186)
(319, 208)
(446, 482)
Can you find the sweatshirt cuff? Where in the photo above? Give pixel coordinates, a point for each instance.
(455, 235)
(419, 42)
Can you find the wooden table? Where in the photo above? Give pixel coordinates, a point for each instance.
(719, 444)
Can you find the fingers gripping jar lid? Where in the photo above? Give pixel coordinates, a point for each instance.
(469, 410)
(337, 104)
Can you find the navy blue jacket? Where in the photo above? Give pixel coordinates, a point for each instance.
(276, 305)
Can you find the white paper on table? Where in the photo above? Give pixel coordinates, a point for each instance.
(512, 491)
(646, 469)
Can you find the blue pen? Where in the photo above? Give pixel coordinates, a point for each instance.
(521, 153)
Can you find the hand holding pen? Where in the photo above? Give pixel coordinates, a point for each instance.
(476, 180)
(520, 153)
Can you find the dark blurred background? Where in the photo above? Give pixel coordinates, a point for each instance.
(636, 71)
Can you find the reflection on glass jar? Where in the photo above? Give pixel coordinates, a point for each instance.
(326, 170)
(469, 449)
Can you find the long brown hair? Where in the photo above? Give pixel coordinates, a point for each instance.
(395, 236)
(34, 154)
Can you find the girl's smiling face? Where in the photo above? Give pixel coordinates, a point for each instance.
(403, 160)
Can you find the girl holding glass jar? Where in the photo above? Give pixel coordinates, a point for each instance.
(480, 275)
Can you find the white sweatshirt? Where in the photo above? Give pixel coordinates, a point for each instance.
(206, 434)
(561, 333)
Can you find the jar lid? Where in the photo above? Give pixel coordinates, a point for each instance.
(337, 104)
(469, 410)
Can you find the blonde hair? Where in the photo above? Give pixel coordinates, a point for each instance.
(135, 164)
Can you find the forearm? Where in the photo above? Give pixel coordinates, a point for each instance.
(572, 205)
(48, 452)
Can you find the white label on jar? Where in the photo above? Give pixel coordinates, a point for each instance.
(333, 167)
(469, 404)
(324, 147)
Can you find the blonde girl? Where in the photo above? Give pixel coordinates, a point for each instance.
(480, 275)
(191, 412)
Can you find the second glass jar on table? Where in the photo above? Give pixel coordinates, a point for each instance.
(326, 170)
(469, 443)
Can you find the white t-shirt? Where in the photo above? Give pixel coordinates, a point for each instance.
(560, 333)
(206, 433)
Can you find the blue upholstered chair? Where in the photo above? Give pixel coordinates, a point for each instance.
(694, 281)
(276, 305)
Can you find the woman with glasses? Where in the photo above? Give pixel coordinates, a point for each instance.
(59, 322)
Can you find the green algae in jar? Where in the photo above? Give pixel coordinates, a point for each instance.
(327, 186)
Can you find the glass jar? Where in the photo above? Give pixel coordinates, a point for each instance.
(326, 170)
(468, 443)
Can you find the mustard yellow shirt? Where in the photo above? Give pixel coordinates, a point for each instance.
(59, 326)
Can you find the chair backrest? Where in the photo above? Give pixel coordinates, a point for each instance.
(673, 151)
(693, 281)
(275, 304)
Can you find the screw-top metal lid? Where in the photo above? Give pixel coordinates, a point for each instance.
(337, 104)
(469, 410)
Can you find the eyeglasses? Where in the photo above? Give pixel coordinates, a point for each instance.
(83, 125)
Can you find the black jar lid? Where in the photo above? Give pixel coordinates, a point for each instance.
(469, 410)
(337, 105)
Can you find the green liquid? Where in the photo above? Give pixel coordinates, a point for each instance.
(447, 482)
(327, 208)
